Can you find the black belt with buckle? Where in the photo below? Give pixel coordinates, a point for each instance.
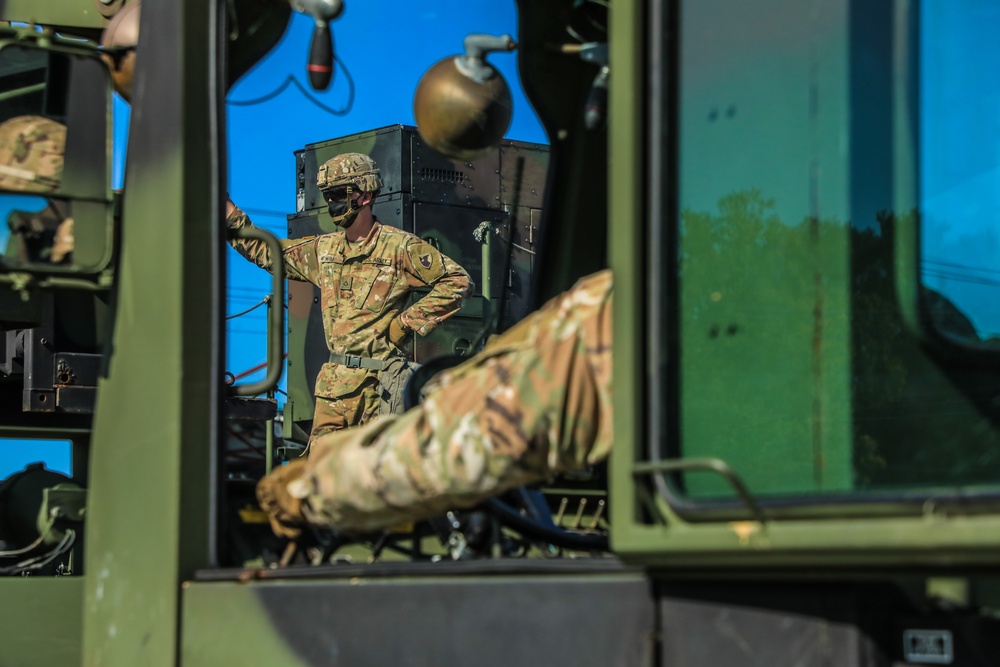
(353, 361)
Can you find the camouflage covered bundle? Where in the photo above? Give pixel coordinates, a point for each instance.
(535, 403)
(31, 154)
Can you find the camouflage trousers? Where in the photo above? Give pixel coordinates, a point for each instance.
(381, 395)
(353, 409)
(535, 403)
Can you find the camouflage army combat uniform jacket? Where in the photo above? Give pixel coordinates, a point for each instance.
(535, 402)
(363, 288)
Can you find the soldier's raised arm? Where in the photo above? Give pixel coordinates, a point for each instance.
(299, 255)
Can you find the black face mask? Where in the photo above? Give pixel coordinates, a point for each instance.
(342, 208)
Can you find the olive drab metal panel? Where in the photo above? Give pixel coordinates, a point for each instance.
(408, 165)
(530, 162)
(451, 182)
(468, 209)
(456, 231)
(456, 337)
(525, 224)
(454, 618)
(388, 146)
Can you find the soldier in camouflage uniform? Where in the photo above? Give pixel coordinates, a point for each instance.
(535, 402)
(31, 162)
(365, 274)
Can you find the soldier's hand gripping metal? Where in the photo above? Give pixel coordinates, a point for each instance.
(284, 511)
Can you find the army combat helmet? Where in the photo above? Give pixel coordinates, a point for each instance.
(341, 178)
(31, 154)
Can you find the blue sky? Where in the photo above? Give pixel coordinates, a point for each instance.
(960, 175)
(382, 49)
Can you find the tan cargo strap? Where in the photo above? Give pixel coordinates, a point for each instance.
(352, 361)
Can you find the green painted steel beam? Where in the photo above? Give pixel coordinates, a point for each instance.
(41, 620)
(155, 430)
(626, 244)
(439, 619)
(76, 13)
(215, 610)
(929, 542)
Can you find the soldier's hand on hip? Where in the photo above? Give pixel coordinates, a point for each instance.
(399, 335)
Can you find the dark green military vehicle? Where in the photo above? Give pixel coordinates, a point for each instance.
(799, 202)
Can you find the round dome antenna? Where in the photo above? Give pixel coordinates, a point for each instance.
(463, 104)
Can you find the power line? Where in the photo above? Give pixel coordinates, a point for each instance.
(266, 212)
(963, 267)
(950, 275)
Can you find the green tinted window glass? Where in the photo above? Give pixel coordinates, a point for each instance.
(799, 136)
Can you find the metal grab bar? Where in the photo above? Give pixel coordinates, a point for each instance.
(719, 466)
(275, 317)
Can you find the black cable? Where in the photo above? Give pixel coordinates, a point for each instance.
(337, 62)
(263, 98)
(291, 80)
(40, 561)
(548, 533)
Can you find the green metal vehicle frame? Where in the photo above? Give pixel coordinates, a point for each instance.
(153, 592)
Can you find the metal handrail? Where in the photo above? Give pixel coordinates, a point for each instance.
(275, 317)
(710, 465)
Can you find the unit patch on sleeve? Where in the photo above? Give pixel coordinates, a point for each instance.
(426, 262)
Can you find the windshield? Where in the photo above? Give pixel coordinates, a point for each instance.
(812, 138)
